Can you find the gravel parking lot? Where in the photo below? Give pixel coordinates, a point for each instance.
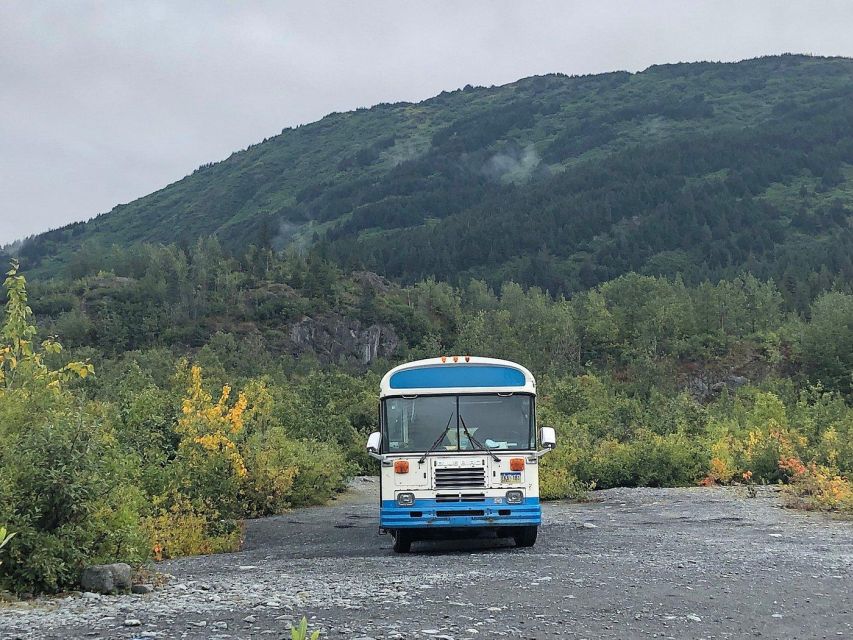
(632, 563)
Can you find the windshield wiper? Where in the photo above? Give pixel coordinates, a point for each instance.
(438, 440)
(476, 442)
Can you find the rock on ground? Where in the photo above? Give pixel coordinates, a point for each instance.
(106, 578)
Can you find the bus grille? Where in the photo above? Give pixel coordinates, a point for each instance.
(460, 497)
(453, 477)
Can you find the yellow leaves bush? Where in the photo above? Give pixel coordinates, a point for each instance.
(753, 438)
(156, 467)
(22, 364)
(199, 510)
(759, 442)
(181, 531)
(817, 487)
(557, 482)
(719, 473)
(235, 460)
(211, 426)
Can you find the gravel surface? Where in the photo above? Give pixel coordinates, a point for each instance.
(633, 563)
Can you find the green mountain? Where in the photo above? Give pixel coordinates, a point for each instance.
(702, 169)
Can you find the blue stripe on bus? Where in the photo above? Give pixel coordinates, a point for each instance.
(425, 514)
(457, 376)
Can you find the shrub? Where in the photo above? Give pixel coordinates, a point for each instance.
(649, 460)
(272, 471)
(557, 482)
(69, 494)
(817, 487)
(209, 465)
(67, 488)
(322, 471)
(557, 476)
(722, 466)
(181, 531)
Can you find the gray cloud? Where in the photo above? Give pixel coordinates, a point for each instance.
(103, 102)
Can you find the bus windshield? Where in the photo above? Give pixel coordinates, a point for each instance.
(498, 421)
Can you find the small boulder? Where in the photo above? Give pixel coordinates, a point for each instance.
(98, 579)
(141, 589)
(106, 578)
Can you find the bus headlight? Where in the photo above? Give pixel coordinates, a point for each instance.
(405, 499)
(513, 497)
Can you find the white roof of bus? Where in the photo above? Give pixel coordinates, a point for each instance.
(385, 389)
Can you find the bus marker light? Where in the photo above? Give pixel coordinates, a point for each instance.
(516, 464)
(401, 466)
(467, 358)
(455, 358)
(443, 359)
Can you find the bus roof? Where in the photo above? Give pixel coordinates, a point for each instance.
(457, 374)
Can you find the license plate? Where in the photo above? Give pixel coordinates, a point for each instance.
(511, 477)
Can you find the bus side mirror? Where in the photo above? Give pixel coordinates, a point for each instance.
(374, 443)
(548, 437)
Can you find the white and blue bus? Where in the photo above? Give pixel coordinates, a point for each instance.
(458, 450)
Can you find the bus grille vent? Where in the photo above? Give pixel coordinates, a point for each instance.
(455, 477)
(460, 497)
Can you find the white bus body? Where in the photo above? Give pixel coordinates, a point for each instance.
(458, 450)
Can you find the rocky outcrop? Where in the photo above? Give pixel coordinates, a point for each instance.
(337, 339)
(702, 389)
(370, 280)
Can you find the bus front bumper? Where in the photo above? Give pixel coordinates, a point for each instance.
(429, 513)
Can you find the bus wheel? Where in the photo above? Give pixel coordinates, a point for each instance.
(525, 536)
(402, 541)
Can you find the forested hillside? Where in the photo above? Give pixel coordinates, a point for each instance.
(702, 169)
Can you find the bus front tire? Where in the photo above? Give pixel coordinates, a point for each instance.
(525, 536)
(402, 541)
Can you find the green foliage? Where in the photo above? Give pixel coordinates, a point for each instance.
(142, 463)
(4, 538)
(826, 341)
(647, 460)
(301, 632)
(69, 494)
(610, 438)
(66, 486)
(21, 361)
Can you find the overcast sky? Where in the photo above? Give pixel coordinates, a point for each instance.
(103, 102)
